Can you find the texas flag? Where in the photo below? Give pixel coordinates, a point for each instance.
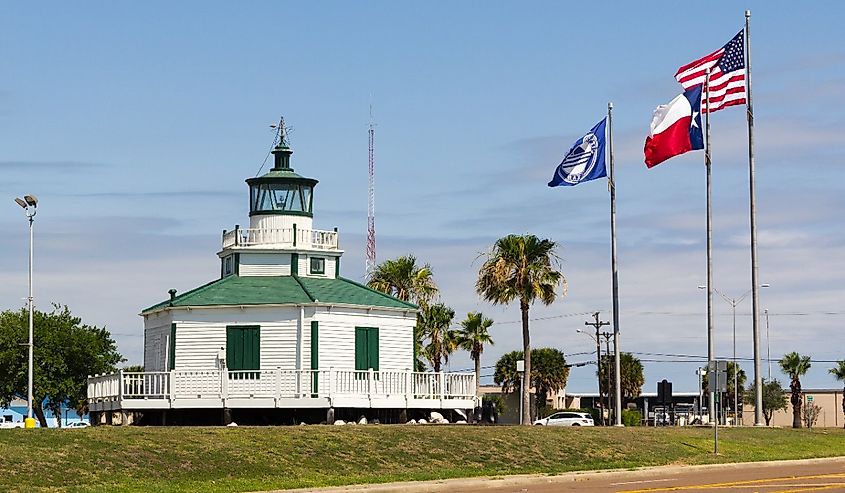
(675, 128)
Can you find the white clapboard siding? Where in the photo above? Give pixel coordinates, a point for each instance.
(330, 266)
(336, 344)
(155, 347)
(278, 345)
(264, 264)
(197, 344)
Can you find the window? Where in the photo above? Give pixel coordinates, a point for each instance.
(228, 266)
(243, 350)
(366, 348)
(318, 265)
(280, 197)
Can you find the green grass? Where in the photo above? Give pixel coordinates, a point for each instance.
(247, 459)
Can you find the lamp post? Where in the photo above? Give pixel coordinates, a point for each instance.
(734, 302)
(29, 204)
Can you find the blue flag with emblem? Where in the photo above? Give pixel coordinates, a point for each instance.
(585, 161)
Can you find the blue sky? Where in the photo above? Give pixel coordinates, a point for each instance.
(136, 124)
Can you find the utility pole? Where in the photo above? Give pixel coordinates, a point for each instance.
(598, 324)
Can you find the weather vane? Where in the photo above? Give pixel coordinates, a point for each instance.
(282, 132)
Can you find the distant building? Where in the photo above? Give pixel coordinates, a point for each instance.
(828, 400)
(15, 412)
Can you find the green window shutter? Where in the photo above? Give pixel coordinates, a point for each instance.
(294, 261)
(315, 353)
(361, 348)
(372, 350)
(172, 348)
(366, 348)
(243, 347)
(315, 336)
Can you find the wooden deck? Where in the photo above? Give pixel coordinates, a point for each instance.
(276, 388)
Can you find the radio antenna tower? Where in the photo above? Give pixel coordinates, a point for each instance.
(371, 204)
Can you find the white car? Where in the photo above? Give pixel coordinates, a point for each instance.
(566, 419)
(78, 424)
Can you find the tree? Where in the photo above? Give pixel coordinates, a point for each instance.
(740, 380)
(404, 279)
(631, 369)
(434, 326)
(795, 365)
(548, 374)
(65, 352)
(521, 268)
(839, 373)
(472, 336)
(774, 398)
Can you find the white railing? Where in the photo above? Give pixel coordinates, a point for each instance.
(279, 384)
(145, 385)
(103, 387)
(281, 237)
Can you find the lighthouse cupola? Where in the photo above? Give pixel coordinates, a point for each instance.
(281, 198)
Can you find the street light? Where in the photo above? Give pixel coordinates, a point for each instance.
(29, 204)
(734, 302)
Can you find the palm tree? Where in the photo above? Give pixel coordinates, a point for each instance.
(795, 365)
(549, 372)
(435, 323)
(521, 268)
(472, 336)
(839, 373)
(632, 375)
(404, 279)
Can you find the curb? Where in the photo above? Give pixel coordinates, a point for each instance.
(457, 484)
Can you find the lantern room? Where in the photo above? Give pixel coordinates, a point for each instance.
(281, 197)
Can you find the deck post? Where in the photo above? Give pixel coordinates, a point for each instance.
(331, 379)
(278, 391)
(224, 386)
(171, 385)
(370, 384)
(120, 385)
(442, 384)
(409, 386)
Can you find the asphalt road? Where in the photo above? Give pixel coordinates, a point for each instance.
(766, 477)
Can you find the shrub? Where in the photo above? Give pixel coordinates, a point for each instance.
(631, 417)
(497, 401)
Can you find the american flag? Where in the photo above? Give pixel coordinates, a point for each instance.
(727, 75)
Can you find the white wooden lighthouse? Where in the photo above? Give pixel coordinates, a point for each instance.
(279, 329)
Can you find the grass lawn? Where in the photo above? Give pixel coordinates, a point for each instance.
(247, 459)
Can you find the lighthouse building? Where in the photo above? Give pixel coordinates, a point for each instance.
(280, 335)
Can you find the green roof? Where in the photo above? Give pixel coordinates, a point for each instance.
(276, 290)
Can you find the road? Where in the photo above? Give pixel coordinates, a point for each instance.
(769, 477)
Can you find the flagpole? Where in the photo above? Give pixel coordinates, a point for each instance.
(616, 357)
(755, 288)
(711, 334)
